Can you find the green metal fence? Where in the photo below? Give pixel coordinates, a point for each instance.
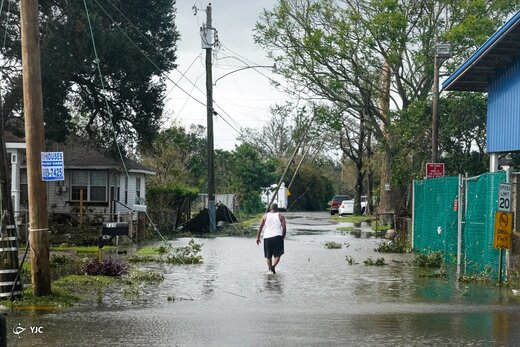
(482, 201)
(435, 219)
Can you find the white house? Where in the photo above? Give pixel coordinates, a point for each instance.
(103, 184)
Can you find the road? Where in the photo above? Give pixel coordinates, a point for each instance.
(315, 299)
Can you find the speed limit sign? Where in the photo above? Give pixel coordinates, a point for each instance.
(504, 197)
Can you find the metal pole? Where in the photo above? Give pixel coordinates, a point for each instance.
(209, 108)
(459, 227)
(413, 212)
(35, 138)
(435, 110)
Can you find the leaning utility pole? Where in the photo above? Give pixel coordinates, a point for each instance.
(207, 44)
(35, 140)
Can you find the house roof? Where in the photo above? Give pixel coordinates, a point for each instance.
(9, 137)
(498, 52)
(79, 155)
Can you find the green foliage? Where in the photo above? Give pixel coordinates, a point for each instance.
(433, 259)
(72, 96)
(391, 248)
(377, 262)
(172, 191)
(139, 277)
(332, 245)
(178, 156)
(188, 254)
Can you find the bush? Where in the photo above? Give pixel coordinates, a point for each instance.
(433, 259)
(107, 267)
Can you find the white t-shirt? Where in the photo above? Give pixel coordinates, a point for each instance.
(272, 226)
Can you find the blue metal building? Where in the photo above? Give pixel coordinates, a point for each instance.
(495, 68)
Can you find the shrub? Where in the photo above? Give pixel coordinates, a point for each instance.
(433, 259)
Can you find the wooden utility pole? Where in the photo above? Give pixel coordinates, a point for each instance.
(209, 107)
(35, 140)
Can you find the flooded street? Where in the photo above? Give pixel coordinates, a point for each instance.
(316, 298)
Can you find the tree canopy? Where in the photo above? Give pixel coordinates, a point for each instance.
(135, 43)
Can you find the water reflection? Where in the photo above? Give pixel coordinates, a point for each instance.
(274, 284)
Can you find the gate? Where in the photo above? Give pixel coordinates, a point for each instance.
(455, 215)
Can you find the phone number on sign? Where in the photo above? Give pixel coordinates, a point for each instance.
(53, 172)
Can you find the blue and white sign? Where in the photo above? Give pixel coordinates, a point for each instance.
(52, 166)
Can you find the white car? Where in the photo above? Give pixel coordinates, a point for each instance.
(347, 206)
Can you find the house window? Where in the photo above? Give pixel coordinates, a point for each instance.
(93, 184)
(126, 190)
(24, 191)
(138, 190)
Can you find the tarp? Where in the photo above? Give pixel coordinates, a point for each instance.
(200, 223)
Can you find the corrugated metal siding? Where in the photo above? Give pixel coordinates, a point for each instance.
(503, 115)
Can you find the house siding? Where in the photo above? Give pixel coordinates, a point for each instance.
(503, 116)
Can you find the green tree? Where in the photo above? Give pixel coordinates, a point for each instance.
(374, 56)
(73, 98)
(178, 155)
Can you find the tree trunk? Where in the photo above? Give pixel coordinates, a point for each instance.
(358, 189)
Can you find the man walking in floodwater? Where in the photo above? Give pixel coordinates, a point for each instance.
(274, 234)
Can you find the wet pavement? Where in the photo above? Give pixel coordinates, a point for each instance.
(315, 299)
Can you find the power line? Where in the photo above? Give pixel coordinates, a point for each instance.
(146, 56)
(153, 63)
(109, 111)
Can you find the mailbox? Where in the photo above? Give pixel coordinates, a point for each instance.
(115, 229)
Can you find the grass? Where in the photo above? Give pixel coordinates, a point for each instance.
(351, 219)
(345, 229)
(381, 227)
(152, 250)
(142, 277)
(79, 249)
(64, 292)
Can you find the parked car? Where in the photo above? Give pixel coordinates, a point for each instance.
(336, 201)
(347, 206)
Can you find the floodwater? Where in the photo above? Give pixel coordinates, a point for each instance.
(315, 299)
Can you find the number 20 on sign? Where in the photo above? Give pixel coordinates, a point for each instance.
(503, 230)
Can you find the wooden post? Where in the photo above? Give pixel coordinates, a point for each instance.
(35, 139)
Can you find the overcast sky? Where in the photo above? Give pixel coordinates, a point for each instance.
(245, 95)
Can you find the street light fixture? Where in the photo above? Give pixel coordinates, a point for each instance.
(245, 68)
(442, 52)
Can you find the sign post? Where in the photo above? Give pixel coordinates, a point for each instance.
(434, 170)
(502, 237)
(503, 223)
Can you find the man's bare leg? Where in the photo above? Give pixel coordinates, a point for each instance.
(269, 263)
(276, 261)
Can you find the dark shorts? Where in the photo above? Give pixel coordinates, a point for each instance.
(273, 246)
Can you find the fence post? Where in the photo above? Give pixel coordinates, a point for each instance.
(413, 213)
(459, 226)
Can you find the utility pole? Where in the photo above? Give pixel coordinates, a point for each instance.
(35, 140)
(207, 44)
(442, 52)
(435, 109)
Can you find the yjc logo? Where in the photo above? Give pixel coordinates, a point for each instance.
(18, 330)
